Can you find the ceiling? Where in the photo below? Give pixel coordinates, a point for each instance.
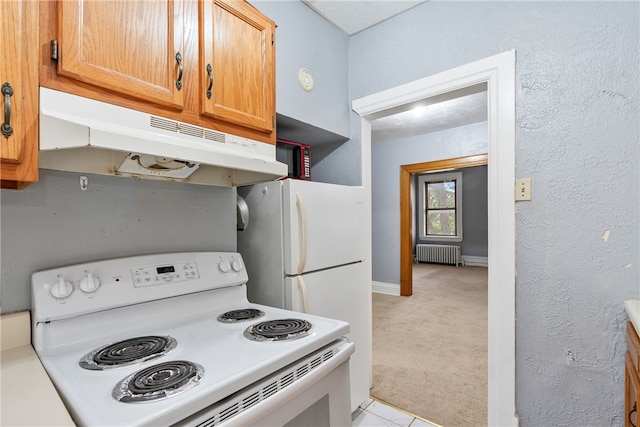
(431, 117)
(353, 16)
(444, 112)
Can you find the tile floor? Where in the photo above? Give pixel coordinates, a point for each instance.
(374, 413)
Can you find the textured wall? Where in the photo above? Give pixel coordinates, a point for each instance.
(577, 251)
(386, 158)
(53, 222)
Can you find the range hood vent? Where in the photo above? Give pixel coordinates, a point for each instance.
(186, 129)
(83, 135)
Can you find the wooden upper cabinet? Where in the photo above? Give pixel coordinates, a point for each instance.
(131, 47)
(124, 53)
(19, 95)
(237, 64)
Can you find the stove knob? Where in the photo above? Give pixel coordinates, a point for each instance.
(89, 283)
(236, 265)
(61, 289)
(224, 266)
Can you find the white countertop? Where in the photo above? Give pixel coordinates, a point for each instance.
(632, 307)
(27, 395)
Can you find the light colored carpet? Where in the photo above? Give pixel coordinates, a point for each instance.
(430, 349)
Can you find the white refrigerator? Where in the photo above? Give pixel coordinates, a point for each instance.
(305, 250)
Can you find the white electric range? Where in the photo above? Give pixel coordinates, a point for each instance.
(171, 339)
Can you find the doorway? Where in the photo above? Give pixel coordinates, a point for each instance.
(453, 303)
(406, 209)
(498, 73)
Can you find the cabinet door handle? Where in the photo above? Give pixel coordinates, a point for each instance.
(179, 80)
(7, 91)
(210, 73)
(631, 412)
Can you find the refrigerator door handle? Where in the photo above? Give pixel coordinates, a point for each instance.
(303, 233)
(302, 286)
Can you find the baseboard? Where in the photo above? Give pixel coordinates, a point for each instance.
(480, 261)
(385, 288)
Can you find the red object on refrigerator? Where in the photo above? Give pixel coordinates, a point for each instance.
(297, 156)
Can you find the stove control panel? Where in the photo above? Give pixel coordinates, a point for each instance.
(166, 273)
(95, 286)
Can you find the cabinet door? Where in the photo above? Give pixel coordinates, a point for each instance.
(131, 47)
(238, 64)
(632, 392)
(19, 81)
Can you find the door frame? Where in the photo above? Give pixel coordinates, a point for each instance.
(498, 73)
(406, 209)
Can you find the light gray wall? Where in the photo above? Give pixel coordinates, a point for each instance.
(577, 106)
(305, 39)
(386, 159)
(321, 117)
(53, 223)
(475, 219)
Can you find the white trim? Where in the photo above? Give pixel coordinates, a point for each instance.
(385, 288)
(498, 72)
(480, 261)
(365, 167)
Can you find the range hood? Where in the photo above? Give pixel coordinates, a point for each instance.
(83, 135)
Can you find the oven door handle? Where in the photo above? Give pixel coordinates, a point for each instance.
(302, 287)
(302, 215)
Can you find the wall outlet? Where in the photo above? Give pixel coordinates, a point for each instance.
(523, 189)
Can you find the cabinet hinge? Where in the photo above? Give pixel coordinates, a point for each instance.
(54, 49)
(273, 38)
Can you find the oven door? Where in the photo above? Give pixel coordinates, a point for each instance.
(314, 391)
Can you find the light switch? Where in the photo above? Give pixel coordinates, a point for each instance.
(523, 189)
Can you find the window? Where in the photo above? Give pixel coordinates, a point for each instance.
(440, 214)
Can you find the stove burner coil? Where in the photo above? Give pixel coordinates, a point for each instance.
(158, 382)
(128, 352)
(278, 330)
(236, 316)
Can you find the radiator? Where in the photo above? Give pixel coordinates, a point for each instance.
(439, 254)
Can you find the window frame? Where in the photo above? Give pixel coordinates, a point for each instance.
(439, 177)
